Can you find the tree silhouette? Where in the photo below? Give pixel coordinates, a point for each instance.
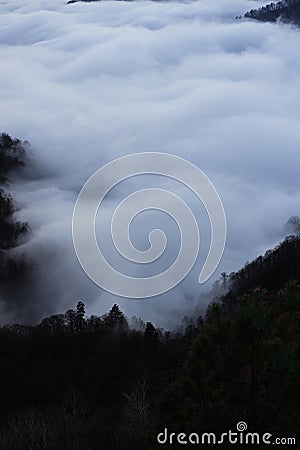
(79, 316)
(115, 320)
(70, 318)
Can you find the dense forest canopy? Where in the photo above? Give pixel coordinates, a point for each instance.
(106, 382)
(270, 271)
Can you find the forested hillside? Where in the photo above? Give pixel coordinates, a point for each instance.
(107, 382)
(12, 159)
(287, 10)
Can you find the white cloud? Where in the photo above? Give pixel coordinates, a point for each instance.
(88, 82)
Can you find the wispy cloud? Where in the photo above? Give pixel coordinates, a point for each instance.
(88, 82)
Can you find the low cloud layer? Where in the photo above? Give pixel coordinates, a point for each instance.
(88, 82)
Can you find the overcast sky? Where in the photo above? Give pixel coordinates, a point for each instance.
(88, 82)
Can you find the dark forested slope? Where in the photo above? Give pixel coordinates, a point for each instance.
(101, 382)
(12, 159)
(287, 11)
(270, 271)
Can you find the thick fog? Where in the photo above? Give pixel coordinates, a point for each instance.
(88, 82)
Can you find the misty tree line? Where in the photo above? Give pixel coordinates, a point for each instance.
(270, 270)
(12, 158)
(12, 154)
(286, 10)
(73, 382)
(74, 322)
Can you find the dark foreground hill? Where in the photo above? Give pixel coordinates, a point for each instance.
(77, 383)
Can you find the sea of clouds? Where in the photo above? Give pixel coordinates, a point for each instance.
(88, 82)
